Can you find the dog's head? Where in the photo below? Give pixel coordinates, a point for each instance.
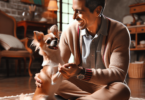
(48, 41)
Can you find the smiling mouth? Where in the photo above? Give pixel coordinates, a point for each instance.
(81, 22)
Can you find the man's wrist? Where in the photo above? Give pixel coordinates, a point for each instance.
(84, 73)
(88, 74)
(81, 73)
(81, 70)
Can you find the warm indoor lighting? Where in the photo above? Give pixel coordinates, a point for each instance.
(50, 15)
(52, 6)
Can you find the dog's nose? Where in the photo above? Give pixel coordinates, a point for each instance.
(55, 41)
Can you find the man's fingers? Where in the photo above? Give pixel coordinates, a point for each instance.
(64, 74)
(38, 84)
(60, 68)
(69, 65)
(36, 75)
(37, 79)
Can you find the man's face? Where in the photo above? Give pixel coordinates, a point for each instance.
(82, 14)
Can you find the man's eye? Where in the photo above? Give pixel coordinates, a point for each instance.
(79, 12)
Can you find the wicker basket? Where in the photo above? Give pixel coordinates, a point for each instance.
(136, 70)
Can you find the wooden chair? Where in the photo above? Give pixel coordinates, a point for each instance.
(8, 27)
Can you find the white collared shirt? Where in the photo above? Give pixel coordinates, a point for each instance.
(91, 47)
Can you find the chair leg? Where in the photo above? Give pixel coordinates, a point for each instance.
(16, 66)
(30, 62)
(19, 66)
(24, 59)
(0, 60)
(7, 66)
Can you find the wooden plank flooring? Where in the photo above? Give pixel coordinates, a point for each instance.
(137, 87)
(25, 84)
(16, 86)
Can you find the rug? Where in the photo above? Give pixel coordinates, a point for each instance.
(31, 95)
(131, 98)
(15, 97)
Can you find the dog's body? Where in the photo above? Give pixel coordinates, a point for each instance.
(49, 75)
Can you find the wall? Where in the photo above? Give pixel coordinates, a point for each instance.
(15, 8)
(117, 9)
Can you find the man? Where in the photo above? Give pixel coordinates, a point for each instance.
(101, 55)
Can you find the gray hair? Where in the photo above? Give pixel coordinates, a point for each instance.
(92, 4)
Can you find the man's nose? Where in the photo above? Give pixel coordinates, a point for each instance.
(74, 15)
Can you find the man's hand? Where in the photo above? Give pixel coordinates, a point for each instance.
(38, 82)
(69, 70)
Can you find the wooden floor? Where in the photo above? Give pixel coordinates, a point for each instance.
(16, 86)
(137, 87)
(25, 84)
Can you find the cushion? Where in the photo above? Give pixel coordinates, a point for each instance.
(9, 42)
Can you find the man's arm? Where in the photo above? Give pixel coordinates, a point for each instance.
(117, 56)
(116, 59)
(64, 48)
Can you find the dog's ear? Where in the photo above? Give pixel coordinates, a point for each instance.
(48, 31)
(54, 29)
(38, 36)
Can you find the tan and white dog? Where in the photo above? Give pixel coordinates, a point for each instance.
(49, 49)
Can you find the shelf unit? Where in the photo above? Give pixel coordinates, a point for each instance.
(137, 32)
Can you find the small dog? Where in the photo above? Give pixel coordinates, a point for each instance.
(49, 49)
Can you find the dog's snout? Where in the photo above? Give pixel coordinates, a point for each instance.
(55, 41)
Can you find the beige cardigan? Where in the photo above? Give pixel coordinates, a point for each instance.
(116, 56)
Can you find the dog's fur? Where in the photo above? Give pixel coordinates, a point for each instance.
(51, 78)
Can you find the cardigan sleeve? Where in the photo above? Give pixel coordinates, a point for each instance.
(118, 55)
(64, 48)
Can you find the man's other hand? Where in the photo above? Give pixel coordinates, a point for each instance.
(38, 81)
(69, 70)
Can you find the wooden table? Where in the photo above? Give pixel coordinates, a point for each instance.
(34, 25)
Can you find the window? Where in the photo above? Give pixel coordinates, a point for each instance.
(64, 17)
(64, 14)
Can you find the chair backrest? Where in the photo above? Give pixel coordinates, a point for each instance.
(7, 24)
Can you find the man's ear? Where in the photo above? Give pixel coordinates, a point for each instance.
(98, 11)
(38, 36)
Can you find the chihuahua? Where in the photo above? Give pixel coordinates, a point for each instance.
(49, 75)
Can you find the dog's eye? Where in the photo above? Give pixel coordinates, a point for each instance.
(48, 41)
(56, 39)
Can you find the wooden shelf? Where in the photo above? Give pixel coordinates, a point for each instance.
(134, 26)
(136, 49)
(138, 4)
(137, 32)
